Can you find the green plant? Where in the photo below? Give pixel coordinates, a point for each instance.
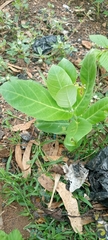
(16, 188)
(15, 234)
(63, 107)
(98, 5)
(101, 55)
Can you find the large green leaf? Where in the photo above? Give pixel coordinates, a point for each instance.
(66, 96)
(87, 76)
(56, 127)
(57, 79)
(100, 40)
(33, 99)
(103, 60)
(98, 111)
(15, 235)
(77, 129)
(69, 68)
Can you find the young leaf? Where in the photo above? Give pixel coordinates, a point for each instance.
(15, 235)
(66, 96)
(100, 40)
(103, 60)
(69, 68)
(56, 127)
(33, 99)
(57, 79)
(3, 235)
(87, 76)
(97, 112)
(77, 129)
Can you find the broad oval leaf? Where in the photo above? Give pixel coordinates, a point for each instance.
(98, 111)
(76, 131)
(66, 96)
(69, 68)
(87, 76)
(103, 60)
(57, 79)
(56, 127)
(100, 40)
(33, 99)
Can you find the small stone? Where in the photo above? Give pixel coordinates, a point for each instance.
(104, 25)
(87, 44)
(26, 136)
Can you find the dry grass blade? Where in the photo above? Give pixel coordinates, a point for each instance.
(57, 177)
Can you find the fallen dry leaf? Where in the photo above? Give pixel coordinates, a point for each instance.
(87, 44)
(51, 149)
(26, 158)
(29, 74)
(87, 219)
(18, 156)
(56, 168)
(69, 201)
(46, 182)
(71, 206)
(23, 127)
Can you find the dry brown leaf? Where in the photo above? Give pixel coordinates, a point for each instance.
(56, 204)
(70, 203)
(4, 152)
(87, 44)
(5, 4)
(23, 127)
(51, 149)
(71, 206)
(18, 156)
(87, 220)
(57, 168)
(46, 182)
(26, 158)
(29, 74)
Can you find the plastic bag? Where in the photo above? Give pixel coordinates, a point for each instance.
(98, 177)
(45, 43)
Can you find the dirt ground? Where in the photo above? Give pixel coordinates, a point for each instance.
(80, 24)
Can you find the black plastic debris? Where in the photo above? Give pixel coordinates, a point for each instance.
(98, 177)
(45, 43)
(22, 76)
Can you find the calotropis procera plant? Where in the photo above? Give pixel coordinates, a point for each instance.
(63, 105)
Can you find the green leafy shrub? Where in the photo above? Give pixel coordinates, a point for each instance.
(64, 105)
